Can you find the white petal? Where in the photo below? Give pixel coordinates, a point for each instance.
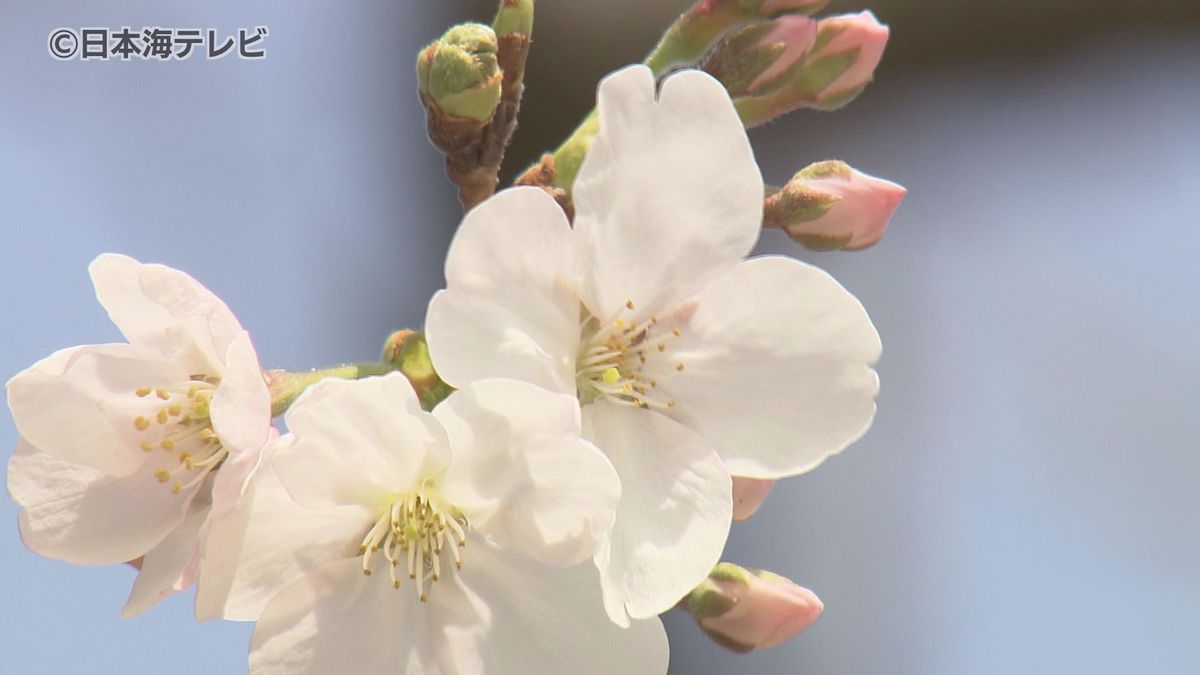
(80, 404)
(541, 620)
(778, 368)
(523, 475)
(75, 513)
(675, 511)
(510, 308)
(336, 620)
(669, 195)
(267, 542)
(163, 309)
(165, 569)
(355, 442)
(241, 416)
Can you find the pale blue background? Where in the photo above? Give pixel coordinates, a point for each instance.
(1027, 501)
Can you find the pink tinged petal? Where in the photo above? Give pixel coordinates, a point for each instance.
(510, 308)
(778, 371)
(674, 514)
(768, 610)
(669, 195)
(170, 567)
(798, 34)
(78, 514)
(540, 619)
(241, 417)
(748, 495)
(265, 543)
(859, 34)
(356, 442)
(165, 310)
(80, 403)
(523, 475)
(335, 620)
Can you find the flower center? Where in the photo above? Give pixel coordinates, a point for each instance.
(413, 529)
(623, 361)
(182, 427)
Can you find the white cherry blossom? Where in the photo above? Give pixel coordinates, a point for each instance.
(382, 538)
(690, 362)
(127, 450)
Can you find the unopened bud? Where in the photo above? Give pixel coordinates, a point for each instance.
(743, 610)
(821, 65)
(843, 63)
(748, 495)
(459, 74)
(514, 17)
(829, 206)
(407, 351)
(760, 57)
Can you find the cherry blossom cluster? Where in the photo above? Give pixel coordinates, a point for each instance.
(606, 383)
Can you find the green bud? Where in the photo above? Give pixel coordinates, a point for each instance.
(515, 16)
(407, 351)
(459, 73)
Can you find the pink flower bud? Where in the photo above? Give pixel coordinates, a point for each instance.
(744, 610)
(849, 51)
(759, 58)
(794, 36)
(748, 495)
(829, 205)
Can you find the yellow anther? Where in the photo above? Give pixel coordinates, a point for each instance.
(147, 445)
(162, 475)
(175, 410)
(161, 416)
(396, 585)
(629, 304)
(366, 571)
(620, 323)
(162, 393)
(168, 445)
(610, 375)
(679, 367)
(662, 346)
(143, 392)
(177, 487)
(141, 423)
(677, 332)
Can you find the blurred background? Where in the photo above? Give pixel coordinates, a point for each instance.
(1027, 500)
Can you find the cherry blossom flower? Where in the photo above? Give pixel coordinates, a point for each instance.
(690, 362)
(127, 450)
(382, 538)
